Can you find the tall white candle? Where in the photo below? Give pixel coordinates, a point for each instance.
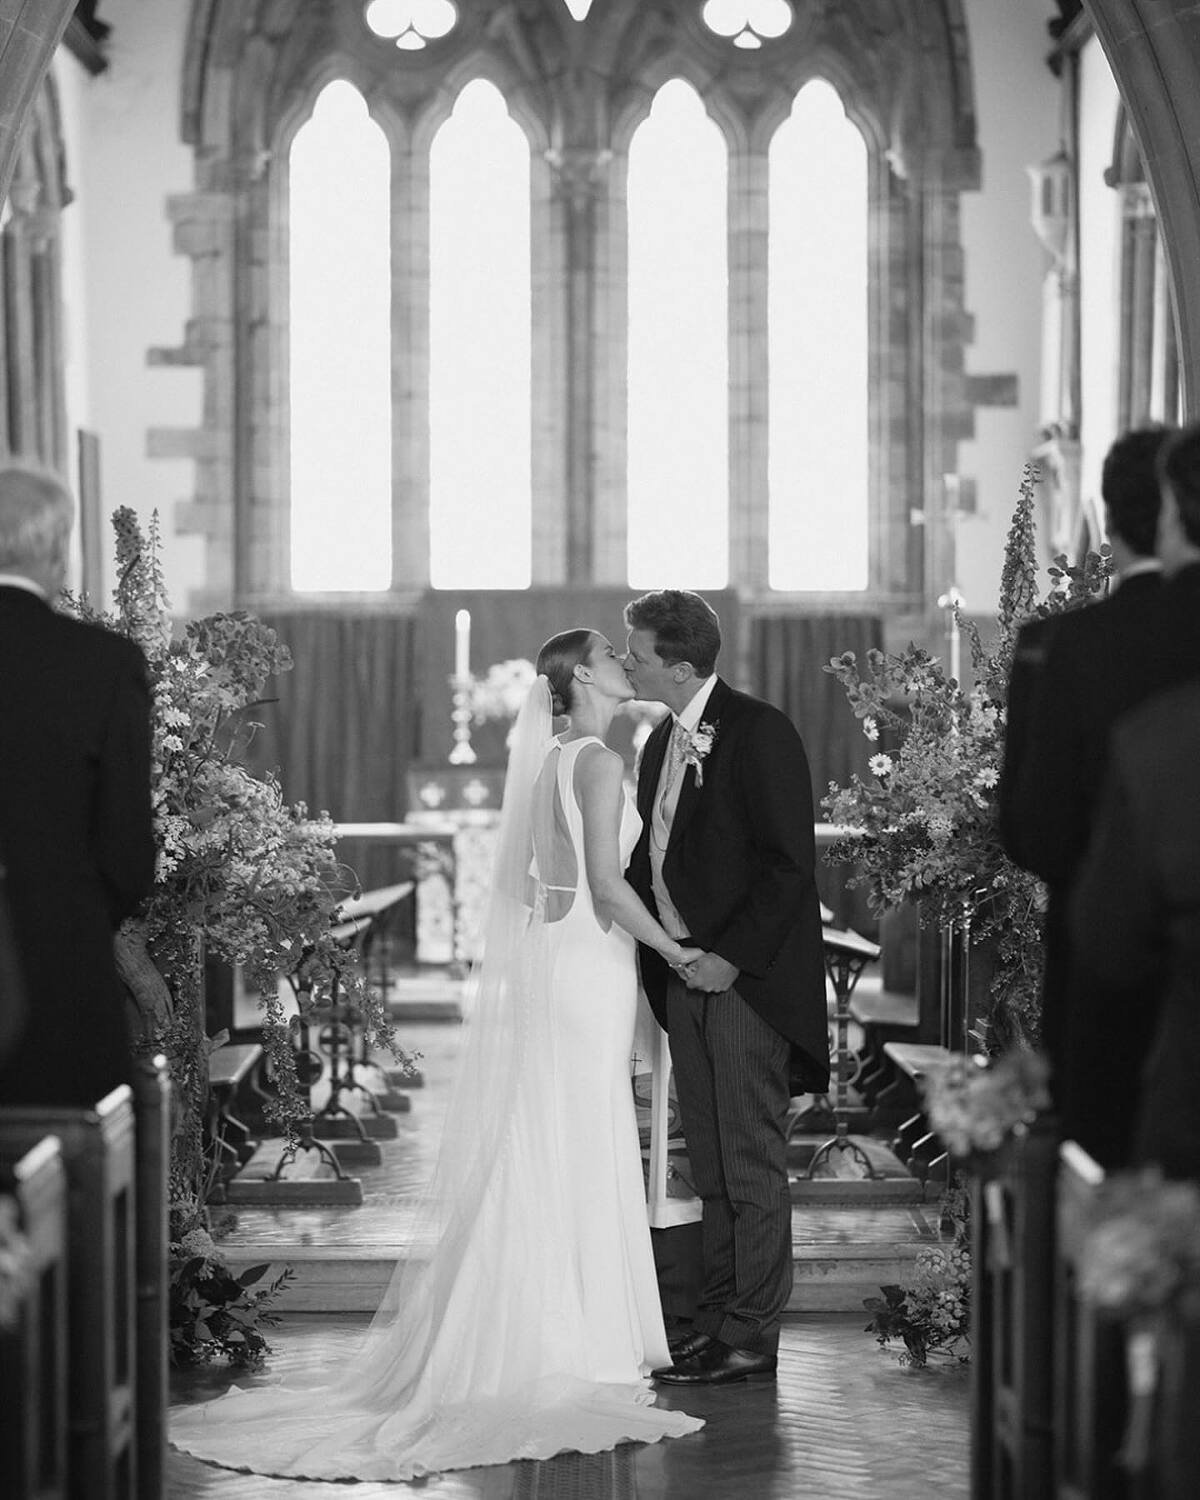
(462, 645)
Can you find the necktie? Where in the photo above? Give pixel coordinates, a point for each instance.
(675, 753)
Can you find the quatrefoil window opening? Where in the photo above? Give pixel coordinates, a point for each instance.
(411, 24)
(747, 23)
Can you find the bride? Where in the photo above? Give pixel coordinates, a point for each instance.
(524, 1319)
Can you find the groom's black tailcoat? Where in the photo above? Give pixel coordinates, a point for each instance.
(76, 838)
(741, 870)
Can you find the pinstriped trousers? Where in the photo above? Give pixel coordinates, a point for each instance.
(731, 1077)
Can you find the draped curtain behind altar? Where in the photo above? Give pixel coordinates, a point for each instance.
(347, 722)
(787, 654)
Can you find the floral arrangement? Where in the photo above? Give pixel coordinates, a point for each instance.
(975, 1106)
(1142, 1244)
(214, 1314)
(501, 691)
(16, 1264)
(933, 1313)
(924, 829)
(240, 874)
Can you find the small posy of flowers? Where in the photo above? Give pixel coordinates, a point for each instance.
(932, 1314)
(1141, 1249)
(923, 826)
(16, 1264)
(697, 744)
(976, 1105)
(213, 1313)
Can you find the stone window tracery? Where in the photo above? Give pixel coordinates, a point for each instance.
(577, 82)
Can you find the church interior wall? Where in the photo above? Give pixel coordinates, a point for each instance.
(128, 291)
(1099, 252)
(1017, 113)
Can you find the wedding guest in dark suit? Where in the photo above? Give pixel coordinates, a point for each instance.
(75, 819)
(727, 858)
(1136, 910)
(1073, 675)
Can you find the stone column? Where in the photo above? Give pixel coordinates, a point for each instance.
(580, 176)
(748, 371)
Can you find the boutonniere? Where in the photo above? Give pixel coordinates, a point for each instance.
(698, 743)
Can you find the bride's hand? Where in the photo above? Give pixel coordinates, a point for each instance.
(686, 956)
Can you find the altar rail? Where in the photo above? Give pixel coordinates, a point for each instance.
(33, 1351)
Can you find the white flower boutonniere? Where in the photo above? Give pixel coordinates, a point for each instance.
(699, 742)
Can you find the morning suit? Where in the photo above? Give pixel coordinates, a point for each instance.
(740, 870)
(1136, 910)
(1101, 662)
(76, 835)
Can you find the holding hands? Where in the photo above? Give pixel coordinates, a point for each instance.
(708, 972)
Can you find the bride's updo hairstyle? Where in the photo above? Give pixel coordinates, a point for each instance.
(557, 660)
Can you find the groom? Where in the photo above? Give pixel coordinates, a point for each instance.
(726, 859)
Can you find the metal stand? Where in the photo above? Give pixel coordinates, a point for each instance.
(846, 956)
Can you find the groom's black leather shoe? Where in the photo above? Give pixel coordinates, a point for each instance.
(685, 1345)
(718, 1364)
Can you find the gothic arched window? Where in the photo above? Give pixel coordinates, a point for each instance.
(340, 341)
(480, 347)
(818, 348)
(678, 433)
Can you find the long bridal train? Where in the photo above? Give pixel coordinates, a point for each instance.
(526, 1319)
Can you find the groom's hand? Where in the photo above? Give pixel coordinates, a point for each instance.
(710, 973)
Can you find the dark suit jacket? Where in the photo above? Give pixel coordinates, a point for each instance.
(1029, 659)
(740, 867)
(1073, 675)
(75, 828)
(1136, 910)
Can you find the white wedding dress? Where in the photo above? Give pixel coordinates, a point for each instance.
(527, 1320)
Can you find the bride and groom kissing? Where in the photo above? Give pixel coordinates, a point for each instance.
(524, 1319)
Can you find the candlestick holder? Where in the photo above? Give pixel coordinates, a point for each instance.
(461, 753)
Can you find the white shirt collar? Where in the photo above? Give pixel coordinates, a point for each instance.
(693, 711)
(19, 581)
(1143, 565)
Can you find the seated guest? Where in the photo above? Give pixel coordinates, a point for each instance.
(1136, 908)
(1073, 674)
(75, 820)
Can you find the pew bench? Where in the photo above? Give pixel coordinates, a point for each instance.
(228, 1138)
(33, 1351)
(1012, 1344)
(915, 1143)
(99, 1160)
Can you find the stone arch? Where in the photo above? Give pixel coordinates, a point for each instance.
(1153, 48)
(30, 30)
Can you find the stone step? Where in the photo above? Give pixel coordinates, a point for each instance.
(841, 1255)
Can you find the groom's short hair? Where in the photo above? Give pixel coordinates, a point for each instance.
(1179, 467)
(685, 627)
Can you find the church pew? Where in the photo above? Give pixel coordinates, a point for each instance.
(33, 1352)
(1012, 1256)
(98, 1154)
(1089, 1374)
(152, 1110)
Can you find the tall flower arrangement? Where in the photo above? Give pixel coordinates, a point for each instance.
(924, 827)
(240, 874)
